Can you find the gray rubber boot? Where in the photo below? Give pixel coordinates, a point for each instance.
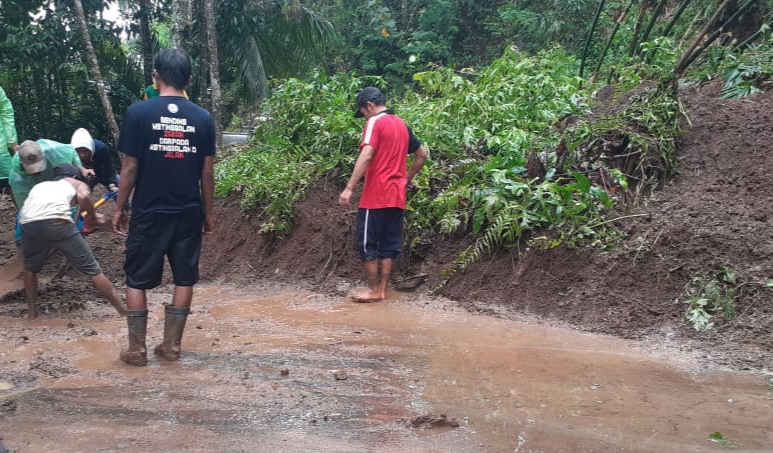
(137, 354)
(174, 325)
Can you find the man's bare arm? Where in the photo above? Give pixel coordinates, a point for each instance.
(83, 197)
(128, 180)
(419, 157)
(360, 167)
(208, 193)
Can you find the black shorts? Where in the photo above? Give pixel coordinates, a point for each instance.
(379, 233)
(152, 236)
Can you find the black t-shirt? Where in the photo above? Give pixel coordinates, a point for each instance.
(169, 136)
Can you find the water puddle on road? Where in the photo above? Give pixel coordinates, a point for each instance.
(527, 387)
(309, 372)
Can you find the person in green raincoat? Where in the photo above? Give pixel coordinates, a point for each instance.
(8, 137)
(35, 161)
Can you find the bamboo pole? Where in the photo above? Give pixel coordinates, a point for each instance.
(637, 28)
(590, 36)
(756, 34)
(677, 15)
(717, 32)
(655, 14)
(620, 21)
(681, 64)
(688, 31)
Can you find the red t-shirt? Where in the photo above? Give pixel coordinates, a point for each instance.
(386, 176)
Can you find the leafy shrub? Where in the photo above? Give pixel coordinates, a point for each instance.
(716, 294)
(504, 164)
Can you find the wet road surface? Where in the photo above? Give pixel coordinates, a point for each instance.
(277, 370)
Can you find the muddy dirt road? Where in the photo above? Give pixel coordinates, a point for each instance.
(271, 369)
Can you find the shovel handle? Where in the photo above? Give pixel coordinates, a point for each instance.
(97, 204)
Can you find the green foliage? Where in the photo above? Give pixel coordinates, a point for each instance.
(710, 295)
(311, 132)
(482, 127)
(258, 40)
(274, 185)
(743, 71)
(719, 439)
(538, 25)
(510, 209)
(44, 71)
(488, 130)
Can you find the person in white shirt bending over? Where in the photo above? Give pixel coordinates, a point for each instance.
(47, 223)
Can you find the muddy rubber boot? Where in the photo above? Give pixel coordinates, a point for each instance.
(137, 354)
(174, 325)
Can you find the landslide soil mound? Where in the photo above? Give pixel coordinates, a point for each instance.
(714, 214)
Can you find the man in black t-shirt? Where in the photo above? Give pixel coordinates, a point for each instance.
(169, 146)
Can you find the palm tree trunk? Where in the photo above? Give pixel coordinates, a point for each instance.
(213, 63)
(182, 19)
(147, 41)
(95, 69)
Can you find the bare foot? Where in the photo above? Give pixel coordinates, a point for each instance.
(367, 295)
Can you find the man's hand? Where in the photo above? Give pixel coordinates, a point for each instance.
(119, 222)
(112, 188)
(345, 196)
(209, 225)
(87, 173)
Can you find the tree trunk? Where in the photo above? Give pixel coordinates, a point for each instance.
(182, 20)
(147, 41)
(97, 73)
(204, 99)
(213, 63)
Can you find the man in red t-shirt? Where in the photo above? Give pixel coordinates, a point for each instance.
(384, 148)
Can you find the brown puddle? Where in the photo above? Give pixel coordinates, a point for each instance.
(307, 372)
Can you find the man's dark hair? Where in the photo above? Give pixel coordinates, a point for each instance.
(173, 67)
